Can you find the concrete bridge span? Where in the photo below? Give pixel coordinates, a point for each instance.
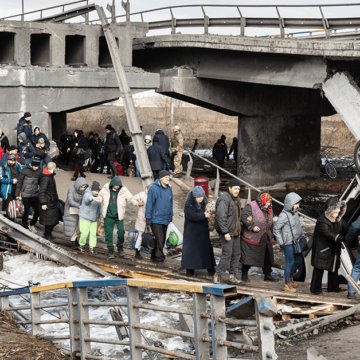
(278, 88)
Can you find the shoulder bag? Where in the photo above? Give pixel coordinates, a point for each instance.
(300, 244)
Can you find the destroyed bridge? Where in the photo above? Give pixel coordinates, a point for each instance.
(278, 86)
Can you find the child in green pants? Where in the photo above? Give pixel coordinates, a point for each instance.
(113, 197)
(89, 214)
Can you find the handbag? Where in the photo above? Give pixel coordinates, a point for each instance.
(148, 240)
(300, 244)
(74, 210)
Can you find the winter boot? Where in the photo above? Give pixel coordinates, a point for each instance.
(120, 249)
(234, 280)
(92, 251)
(245, 277)
(74, 245)
(293, 283)
(81, 249)
(74, 178)
(211, 272)
(217, 279)
(288, 287)
(111, 253)
(32, 228)
(160, 264)
(350, 295)
(269, 277)
(190, 272)
(178, 175)
(137, 254)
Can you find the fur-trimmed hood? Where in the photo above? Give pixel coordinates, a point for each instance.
(192, 201)
(334, 204)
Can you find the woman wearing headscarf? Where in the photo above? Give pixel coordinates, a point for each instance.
(197, 250)
(256, 236)
(329, 233)
(286, 230)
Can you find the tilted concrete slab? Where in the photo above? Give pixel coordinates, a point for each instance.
(325, 48)
(344, 95)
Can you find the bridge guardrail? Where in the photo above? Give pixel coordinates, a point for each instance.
(79, 319)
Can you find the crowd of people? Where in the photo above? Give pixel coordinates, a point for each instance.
(117, 152)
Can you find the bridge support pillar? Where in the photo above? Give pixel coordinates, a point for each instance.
(278, 148)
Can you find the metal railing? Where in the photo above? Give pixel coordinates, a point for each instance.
(40, 11)
(79, 320)
(242, 22)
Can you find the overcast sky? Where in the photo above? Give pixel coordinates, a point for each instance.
(14, 7)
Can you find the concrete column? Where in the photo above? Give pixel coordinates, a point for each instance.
(279, 148)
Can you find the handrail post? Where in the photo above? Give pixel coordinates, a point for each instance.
(4, 303)
(134, 320)
(84, 329)
(217, 185)
(218, 328)
(74, 325)
(200, 326)
(35, 313)
(173, 23)
(281, 23)
(325, 24)
(206, 22)
(126, 7)
(23, 10)
(242, 23)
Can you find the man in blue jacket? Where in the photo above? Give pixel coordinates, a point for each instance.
(159, 213)
(158, 159)
(26, 150)
(25, 126)
(9, 178)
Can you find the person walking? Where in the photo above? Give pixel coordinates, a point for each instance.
(147, 141)
(9, 178)
(286, 230)
(125, 156)
(11, 150)
(228, 225)
(95, 146)
(28, 188)
(79, 144)
(197, 252)
(113, 147)
(26, 150)
(329, 233)
(234, 148)
(48, 197)
(355, 272)
(157, 157)
(71, 212)
(164, 143)
(220, 152)
(39, 135)
(89, 215)
(159, 213)
(256, 236)
(140, 223)
(25, 126)
(113, 197)
(4, 141)
(66, 145)
(177, 149)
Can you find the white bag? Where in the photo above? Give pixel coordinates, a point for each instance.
(74, 210)
(173, 236)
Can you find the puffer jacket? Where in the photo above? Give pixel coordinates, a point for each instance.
(225, 214)
(159, 205)
(157, 155)
(28, 183)
(35, 138)
(74, 199)
(90, 209)
(123, 197)
(6, 181)
(281, 230)
(26, 152)
(24, 126)
(140, 223)
(328, 236)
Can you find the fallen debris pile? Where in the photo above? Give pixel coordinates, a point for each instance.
(17, 344)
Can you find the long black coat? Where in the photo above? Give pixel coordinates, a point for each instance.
(112, 145)
(157, 156)
(48, 196)
(163, 141)
(328, 236)
(197, 249)
(82, 144)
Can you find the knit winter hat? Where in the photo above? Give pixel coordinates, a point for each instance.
(12, 147)
(156, 139)
(22, 136)
(95, 186)
(27, 114)
(148, 137)
(35, 161)
(163, 173)
(108, 127)
(198, 192)
(234, 182)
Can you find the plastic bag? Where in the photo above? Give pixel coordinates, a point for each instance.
(173, 236)
(210, 208)
(15, 209)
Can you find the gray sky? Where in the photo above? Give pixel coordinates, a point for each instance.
(14, 7)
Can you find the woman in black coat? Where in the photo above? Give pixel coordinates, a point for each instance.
(48, 197)
(197, 250)
(79, 143)
(329, 233)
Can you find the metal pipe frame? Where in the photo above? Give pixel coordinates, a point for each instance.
(106, 341)
(238, 322)
(166, 352)
(108, 303)
(59, 321)
(166, 331)
(115, 323)
(45, 306)
(164, 309)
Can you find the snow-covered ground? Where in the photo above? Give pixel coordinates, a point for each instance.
(206, 153)
(20, 269)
